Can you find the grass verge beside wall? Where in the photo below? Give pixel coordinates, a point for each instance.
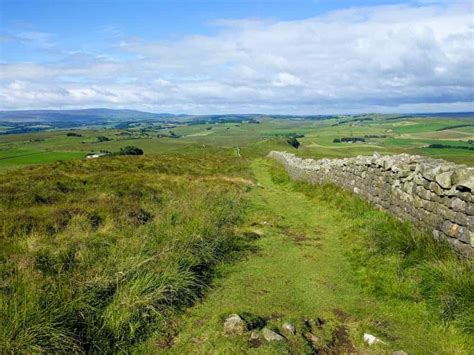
(397, 264)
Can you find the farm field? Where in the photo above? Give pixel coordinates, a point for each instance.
(151, 253)
(382, 134)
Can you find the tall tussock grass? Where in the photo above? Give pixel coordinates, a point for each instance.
(95, 256)
(395, 261)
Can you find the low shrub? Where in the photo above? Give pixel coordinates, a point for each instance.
(293, 142)
(130, 150)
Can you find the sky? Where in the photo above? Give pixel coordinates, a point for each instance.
(248, 56)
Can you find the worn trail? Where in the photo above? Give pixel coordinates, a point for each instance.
(300, 270)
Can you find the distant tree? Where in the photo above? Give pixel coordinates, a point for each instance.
(254, 121)
(336, 140)
(375, 136)
(352, 139)
(102, 139)
(131, 150)
(295, 135)
(174, 135)
(73, 134)
(293, 142)
(447, 146)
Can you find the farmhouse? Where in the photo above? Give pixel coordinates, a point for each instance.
(95, 155)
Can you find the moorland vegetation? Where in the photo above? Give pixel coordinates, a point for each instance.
(151, 252)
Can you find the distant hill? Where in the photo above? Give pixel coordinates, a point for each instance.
(94, 115)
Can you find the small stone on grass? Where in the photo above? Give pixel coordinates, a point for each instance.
(234, 325)
(270, 335)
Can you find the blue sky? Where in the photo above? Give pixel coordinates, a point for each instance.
(90, 25)
(238, 56)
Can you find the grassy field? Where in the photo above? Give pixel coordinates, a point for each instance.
(95, 255)
(149, 254)
(387, 136)
(16, 157)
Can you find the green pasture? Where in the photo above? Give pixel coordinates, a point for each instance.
(18, 157)
(409, 135)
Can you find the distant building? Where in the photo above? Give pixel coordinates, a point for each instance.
(95, 155)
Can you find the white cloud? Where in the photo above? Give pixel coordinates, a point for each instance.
(35, 39)
(287, 79)
(392, 58)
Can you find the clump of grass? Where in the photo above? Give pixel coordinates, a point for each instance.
(109, 254)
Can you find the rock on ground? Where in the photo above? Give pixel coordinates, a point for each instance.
(270, 335)
(255, 339)
(234, 325)
(289, 328)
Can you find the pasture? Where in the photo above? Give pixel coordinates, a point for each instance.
(382, 134)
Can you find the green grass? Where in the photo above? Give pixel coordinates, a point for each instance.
(112, 254)
(424, 125)
(18, 157)
(95, 256)
(324, 253)
(408, 135)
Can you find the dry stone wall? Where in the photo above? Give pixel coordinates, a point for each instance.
(434, 194)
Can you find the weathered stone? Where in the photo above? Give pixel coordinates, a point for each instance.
(234, 325)
(418, 179)
(428, 174)
(313, 340)
(470, 209)
(435, 187)
(465, 196)
(464, 177)
(463, 235)
(270, 335)
(444, 179)
(255, 339)
(458, 205)
(467, 184)
(465, 250)
(461, 218)
(371, 339)
(288, 327)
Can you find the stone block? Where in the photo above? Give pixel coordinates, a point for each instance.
(458, 205)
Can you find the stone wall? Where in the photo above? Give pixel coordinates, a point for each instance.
(434, 194)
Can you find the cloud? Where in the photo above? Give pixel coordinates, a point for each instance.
(382, 58)
(287, 79)
(34, 39)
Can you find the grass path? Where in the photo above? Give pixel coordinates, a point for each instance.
(299, 270)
